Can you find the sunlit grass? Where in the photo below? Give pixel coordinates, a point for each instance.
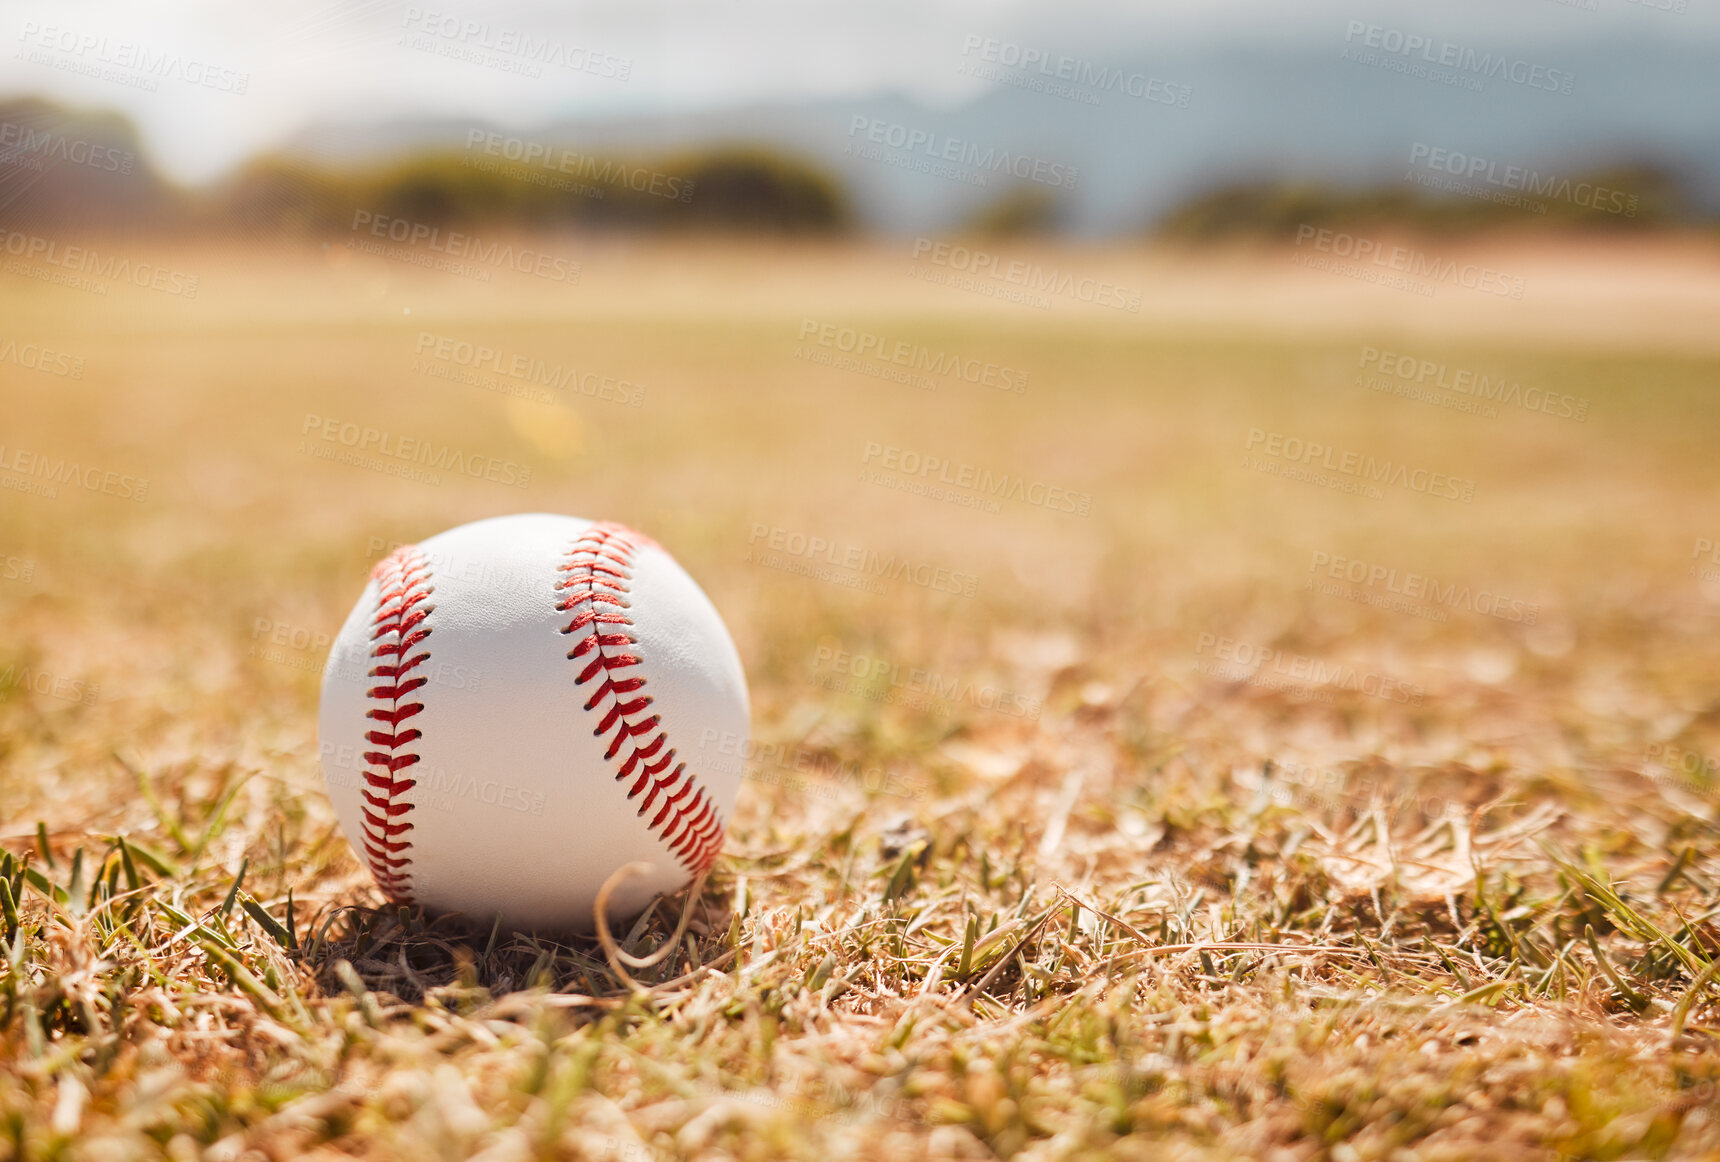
(1160, 901)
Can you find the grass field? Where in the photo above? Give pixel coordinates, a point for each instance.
(1157, 828)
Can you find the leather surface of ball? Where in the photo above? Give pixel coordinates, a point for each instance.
(518, 707)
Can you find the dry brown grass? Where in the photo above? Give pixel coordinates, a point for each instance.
(1173, 912)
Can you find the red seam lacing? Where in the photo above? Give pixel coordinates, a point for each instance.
(599, 570)
(397, 629)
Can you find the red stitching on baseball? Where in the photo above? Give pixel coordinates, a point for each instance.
(396, 629)
(599, 571)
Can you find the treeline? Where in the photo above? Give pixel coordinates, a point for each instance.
(1624, 198)
(69, 169)
(60, 168)
(736, 189)
(82, 168)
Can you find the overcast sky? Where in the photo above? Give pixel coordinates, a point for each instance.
(373, 60)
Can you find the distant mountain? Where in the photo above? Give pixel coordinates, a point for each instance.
(1292, 114)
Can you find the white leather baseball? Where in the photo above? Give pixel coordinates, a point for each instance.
(518, 707)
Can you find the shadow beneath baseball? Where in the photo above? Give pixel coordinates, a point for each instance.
(415, 955)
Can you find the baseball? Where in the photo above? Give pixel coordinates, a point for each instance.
(518, 707)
